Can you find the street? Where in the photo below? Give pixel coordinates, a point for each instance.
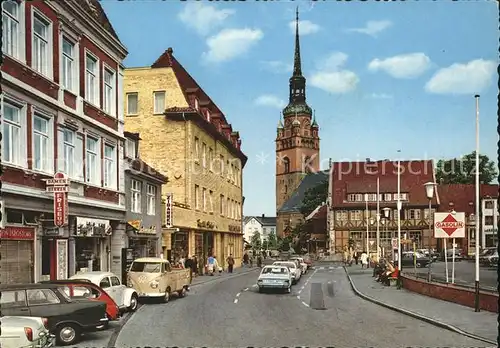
(231, 312)
(465, 274)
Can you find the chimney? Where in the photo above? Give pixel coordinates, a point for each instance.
(263, 215)
(368, 160)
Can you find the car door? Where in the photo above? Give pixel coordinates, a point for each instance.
(105, 284)
(13, 302)
(118, 290)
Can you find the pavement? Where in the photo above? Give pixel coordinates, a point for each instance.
(465, 274)
(454, 317)
(322, 310)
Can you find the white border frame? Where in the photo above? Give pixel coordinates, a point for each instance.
(50, 43)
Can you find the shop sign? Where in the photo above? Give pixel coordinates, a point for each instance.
(62, 258)
(234, 228)
(59, 185)
(151, 230)
(92, 227)
(168, 210)
(449, 225)
(18, 233)
(490, 230)
(136, 224)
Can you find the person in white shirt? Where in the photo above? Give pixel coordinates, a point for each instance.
(364, 260)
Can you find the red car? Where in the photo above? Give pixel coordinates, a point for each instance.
(91, 291)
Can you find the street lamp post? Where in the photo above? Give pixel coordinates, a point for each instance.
(399, 206)
(387, 213)
(378, 219)
(429, 191)
(476, 297)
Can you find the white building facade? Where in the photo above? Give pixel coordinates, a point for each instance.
(489, 222)
(264, 225)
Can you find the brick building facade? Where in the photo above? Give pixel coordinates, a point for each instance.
(61, 83)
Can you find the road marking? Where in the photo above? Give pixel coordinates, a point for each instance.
(331, 268)
(298, 297)
(238, 294)
(299, 291)
(235, 300)
(305, 304)
(254, 286)
(245, 289)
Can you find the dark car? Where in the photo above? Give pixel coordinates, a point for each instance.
(67, 318)
(408, 260)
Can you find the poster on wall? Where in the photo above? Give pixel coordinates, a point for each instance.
(62, 258)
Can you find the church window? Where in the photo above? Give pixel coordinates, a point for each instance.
(286, 164)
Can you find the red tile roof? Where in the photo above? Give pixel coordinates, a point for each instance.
(361, 177)
(462, 197)
(94, 8)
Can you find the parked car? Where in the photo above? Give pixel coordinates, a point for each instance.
(488, 258)
(87, 289)
(125, 297)
(302, 265)
(411, 259)
(308, 261)
(154, 277)
(67, 318)
(449, 255)
(294, 270)
(275, 277)
(25, 332)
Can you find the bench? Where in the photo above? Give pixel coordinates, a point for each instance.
(395, 280)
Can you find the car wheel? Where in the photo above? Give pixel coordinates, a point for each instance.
(134, 303)
(419, 265)
(166, 297)
(183, 293)
(68, 334)
(288, 290)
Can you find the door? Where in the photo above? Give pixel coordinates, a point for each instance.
(105, 284)
(44, 303)
(14, 303)
(118, 290)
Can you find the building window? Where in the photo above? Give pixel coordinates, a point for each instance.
(40, 50)
(211, 159)
(69, 72)
(197, 197)
(211, 201)
(196, 104)
(91, 161)
(109, 166)
(130, 148)
(109, 92)
(135, 203)
(488, 205)
(132, 103)
(196, 148)
(488, 220)
(221, 205)
(426, 213)
(11, 30)
(208, 115)
(204, 155)
(151, 207)
(41, 144)
(204, 197)
(221, 165)
(66, 152)
(159, 102)
(414, 214)
(228, 207)
(91, 80)
(356, 215)
(13, 139)
(286, 164)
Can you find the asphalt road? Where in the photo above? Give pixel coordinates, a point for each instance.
(322, 310)
(465, 274)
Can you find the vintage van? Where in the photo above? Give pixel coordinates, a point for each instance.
(154, 277)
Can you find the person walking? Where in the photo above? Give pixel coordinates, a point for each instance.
(364, 260)
(356, 256)
(188, 264)
(211, 265)
(230, 263)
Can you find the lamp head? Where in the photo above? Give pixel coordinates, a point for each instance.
(429, 189)
(387, 212)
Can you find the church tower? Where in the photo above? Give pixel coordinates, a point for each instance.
(297, 140)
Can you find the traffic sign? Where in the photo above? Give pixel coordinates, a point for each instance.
(57, 189)
(449, 225)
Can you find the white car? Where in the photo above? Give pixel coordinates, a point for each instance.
(302, 264)
(275, 277)
(126, 298)
(25, 332)
(292, 266)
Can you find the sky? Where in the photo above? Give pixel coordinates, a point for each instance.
(381, 76)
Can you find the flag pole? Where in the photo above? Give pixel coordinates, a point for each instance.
(378, 219)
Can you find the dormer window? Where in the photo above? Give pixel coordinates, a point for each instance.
(131, 148)
(208, 115)
(196, 104)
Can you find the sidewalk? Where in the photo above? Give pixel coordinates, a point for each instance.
(461, 319)
(225, 275)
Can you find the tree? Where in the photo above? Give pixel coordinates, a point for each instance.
(255, 241)
(272, 240)
(299, 237)
(265, 244)
(314, 197)
(462, 170)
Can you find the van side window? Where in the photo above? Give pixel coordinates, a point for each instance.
(167, 267)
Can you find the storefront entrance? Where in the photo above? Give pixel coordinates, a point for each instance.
(180, 245)
(17, 259)
(143, 247)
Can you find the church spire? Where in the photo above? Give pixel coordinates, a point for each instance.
(297, 64)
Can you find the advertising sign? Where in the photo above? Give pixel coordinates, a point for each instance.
(60, 187)
(168, 210)
(59, 208)
(17, 233)
(449, 225)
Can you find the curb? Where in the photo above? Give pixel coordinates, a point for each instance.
(215, 278)
(417, 316)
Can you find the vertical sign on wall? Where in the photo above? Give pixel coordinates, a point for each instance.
(62, 258)
(60, 187)
(168, 210)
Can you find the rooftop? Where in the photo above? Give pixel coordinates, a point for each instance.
(294, 203)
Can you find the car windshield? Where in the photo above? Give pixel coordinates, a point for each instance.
(286, 264)
(148, 267)
(489, 252)
(275, 270)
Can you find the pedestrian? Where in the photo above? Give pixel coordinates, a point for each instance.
(210, 265)
(245, 259)
(189, 265)
(356, 256)
(217, 267)
(364, 260)
(230, 263)
(195, 265)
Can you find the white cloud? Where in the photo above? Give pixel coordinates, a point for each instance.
(372, 28)
(381, 96)
(305, 27)
(330, 76)
(468, 78)
(231, 43)
(277, 66)
(404, 66)
(270, 100)
(203, 18)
